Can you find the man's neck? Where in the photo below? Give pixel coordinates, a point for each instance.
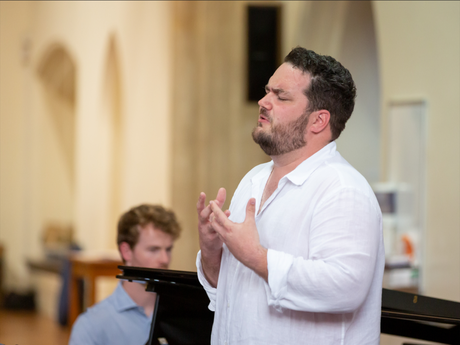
(142, 298)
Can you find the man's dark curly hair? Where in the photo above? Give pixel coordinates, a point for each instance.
(332, 88)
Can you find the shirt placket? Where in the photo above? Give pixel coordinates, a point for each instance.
(272, 197)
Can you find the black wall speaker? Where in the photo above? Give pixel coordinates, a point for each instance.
(263, 57)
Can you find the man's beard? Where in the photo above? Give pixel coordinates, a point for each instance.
(281, 138)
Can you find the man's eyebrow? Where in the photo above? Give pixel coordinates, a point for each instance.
(153, 246)
(276, 90)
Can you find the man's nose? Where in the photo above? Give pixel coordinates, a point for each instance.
(164, 258)
(265, 102)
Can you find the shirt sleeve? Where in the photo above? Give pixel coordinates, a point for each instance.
(83, 332)
(336, 274)
(210, 291)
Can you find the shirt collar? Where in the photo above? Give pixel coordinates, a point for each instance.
(122, 299)
(301, 173)
(263, 174)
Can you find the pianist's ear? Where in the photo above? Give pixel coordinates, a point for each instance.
(126, 252)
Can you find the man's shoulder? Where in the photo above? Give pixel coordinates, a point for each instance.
(89, 326)
(100, 311)
(343, 173)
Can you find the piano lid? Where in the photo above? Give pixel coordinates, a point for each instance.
(420, 317)
(184, 317)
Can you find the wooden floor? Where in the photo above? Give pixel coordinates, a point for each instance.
(29, 328)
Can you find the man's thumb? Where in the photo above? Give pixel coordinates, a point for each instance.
(251, 208)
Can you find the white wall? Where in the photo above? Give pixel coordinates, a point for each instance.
(419, 54)
(345, 30)
(141, 32)
(14, 139)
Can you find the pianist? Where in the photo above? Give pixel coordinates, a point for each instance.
(298, 258)
(146, 234)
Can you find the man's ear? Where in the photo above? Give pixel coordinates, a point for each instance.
(126, 252)
(320, 121)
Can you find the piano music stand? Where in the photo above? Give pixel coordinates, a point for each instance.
(182, 316)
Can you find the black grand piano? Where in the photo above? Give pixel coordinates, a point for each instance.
(182, 316)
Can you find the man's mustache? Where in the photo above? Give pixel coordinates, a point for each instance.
(264, 112)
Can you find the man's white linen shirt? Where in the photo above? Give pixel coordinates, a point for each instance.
(323, 230)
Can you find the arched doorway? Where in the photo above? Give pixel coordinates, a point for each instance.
(56, 155)
(112, 140)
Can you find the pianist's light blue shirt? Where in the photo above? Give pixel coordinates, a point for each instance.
(116, 320)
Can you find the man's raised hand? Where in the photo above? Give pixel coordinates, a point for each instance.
(210, 242)
(242, 239)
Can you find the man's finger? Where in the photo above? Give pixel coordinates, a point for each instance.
(205, 213)
(251, 210)
(216, 221)
(221, 196)
(201, 202)
(219, 215)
